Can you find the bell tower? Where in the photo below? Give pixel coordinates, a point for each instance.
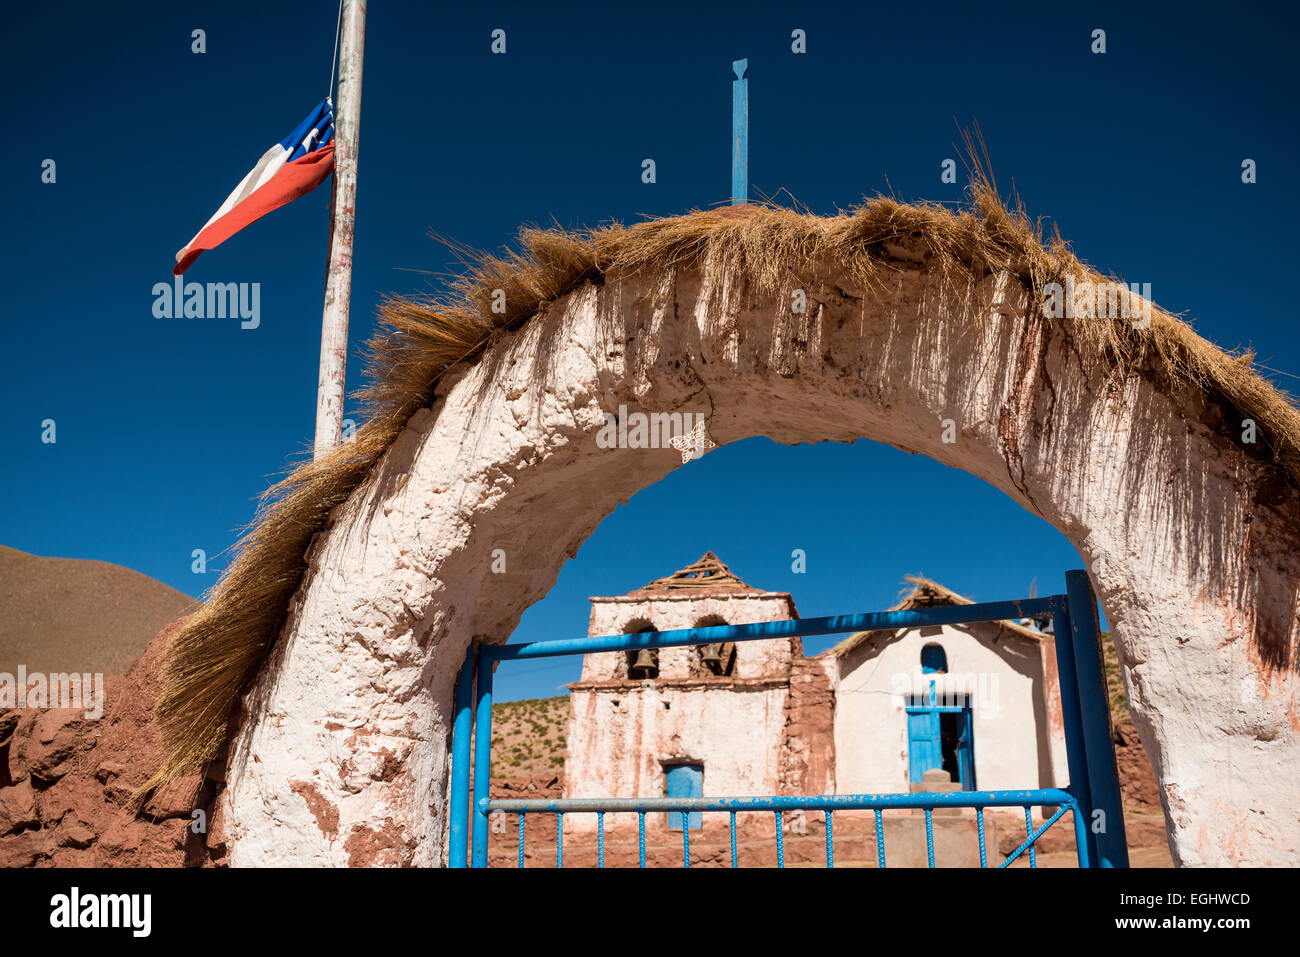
(703, 593)
(706, 719)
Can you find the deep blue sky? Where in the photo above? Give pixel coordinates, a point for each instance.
(168, 430)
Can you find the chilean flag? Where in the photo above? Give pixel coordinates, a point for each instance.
(289, 169)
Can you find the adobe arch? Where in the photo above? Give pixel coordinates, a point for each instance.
(1191, 541)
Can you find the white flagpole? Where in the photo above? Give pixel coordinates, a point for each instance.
(338, 279)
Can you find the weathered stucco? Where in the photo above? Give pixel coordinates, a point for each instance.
(623, 734)
(998, 672)
(1191, 541)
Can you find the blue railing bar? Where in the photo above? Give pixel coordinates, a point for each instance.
(686, 841)
(733, 838)
(830, 853)
(929, 835)
(482, 754)
(521, 840)
(461, 732)
(1076, 755)
(1081, 836)
(1029, 842)
(880, 837)
(600, 838)
(832, 802)
(641, 834)
(1094, 703)
(780, 841)
(559, 839)
(979, 819)
(1029, 831)
(802, 627)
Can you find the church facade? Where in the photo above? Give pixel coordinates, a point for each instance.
(873, 714)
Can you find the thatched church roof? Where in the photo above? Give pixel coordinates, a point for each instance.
(926, 593)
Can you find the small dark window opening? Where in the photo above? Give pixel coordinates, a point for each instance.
(934, 660)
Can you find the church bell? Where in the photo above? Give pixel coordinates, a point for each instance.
(644, 663)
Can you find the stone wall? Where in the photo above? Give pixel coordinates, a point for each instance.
(623, 733)
(65, 782)
(808, 738)
(621, 744)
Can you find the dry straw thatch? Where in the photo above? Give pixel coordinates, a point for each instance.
(923, 593)
(212, 660)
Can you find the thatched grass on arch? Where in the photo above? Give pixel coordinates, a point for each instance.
(213, 659)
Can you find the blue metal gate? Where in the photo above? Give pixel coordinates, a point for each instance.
(1092, 797)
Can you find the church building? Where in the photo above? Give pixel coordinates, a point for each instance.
(872, 714)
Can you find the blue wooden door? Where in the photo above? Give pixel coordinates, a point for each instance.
(966, 750)
(925, 743)
(685, 780)
(924, 750)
